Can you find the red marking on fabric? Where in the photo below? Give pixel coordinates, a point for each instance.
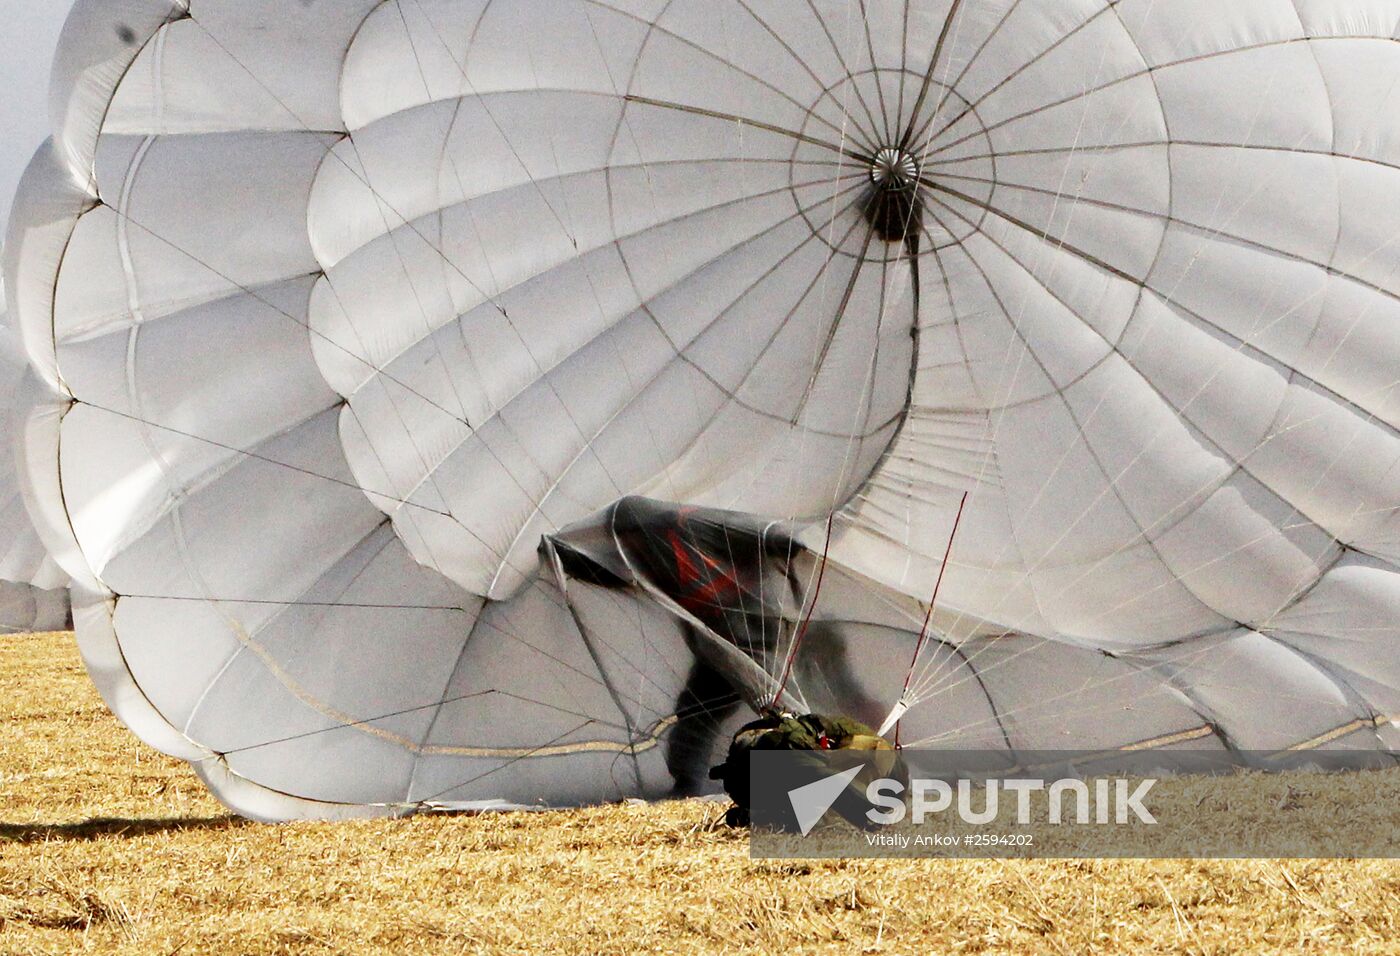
(686, 569)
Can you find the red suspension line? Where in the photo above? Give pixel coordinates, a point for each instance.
(807, 620)
(928, 617)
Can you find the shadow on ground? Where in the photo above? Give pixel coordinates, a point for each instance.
(99, 827)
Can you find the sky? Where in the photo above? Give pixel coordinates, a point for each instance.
(28, 32)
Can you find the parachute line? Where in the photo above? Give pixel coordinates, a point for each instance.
(807, 619)
(928, 617)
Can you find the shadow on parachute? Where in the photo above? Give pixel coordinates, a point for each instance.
(737, 587)
(742, 595)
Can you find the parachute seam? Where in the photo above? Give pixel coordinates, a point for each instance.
(960, 242)
(849, 77)
(1152, 68)
(1015, 74)
(629, 403)
(240, 633)
(1239, 464)
(992, 456)
(654, 26)
(991, 288)
(820, 84)
(955, 82)
(179, 11)
(1207, 491)
(875, 74)
(614, 245)
(1345, 688)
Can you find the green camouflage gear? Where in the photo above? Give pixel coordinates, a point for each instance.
(787, 732)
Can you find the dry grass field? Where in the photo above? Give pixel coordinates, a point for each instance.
(107, 847)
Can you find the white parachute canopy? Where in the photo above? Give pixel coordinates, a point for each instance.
(33, 589)
(415, 369)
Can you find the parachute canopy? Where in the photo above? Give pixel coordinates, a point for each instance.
(466, 401)
(33, 592)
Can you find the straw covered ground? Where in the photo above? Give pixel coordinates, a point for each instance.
(108, 847)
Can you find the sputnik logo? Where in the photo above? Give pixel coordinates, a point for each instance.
(811, 801)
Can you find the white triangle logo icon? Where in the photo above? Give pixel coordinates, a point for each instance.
(811, 801)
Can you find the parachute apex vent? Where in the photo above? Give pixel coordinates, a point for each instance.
(894, 168)
(895, 209)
